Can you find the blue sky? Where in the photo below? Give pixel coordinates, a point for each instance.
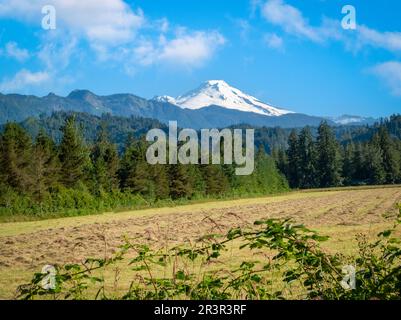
(292, 54)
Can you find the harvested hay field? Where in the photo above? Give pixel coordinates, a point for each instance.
(341, 214)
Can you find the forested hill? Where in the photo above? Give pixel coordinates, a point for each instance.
(277, 138)
(120, 128)
(41, 178)
(365, 133)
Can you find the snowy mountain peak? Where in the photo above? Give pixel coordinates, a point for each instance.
(220, 93)
(165, 99)
(216, 83)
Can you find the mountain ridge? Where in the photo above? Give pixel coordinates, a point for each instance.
(17, 107)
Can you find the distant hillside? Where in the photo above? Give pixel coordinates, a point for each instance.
(120, 128)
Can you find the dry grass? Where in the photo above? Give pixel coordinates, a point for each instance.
(341, 214)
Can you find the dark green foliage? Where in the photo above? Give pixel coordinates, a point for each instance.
(161, 180)
(74, 155)
(322, 162)
(328, 160)
(216, 182)
(375, 172)
(44, 179)
(308, 160)
(180, 182)
(15, 158)
(105, 163)
(118, 129)
(45, 166)
(293, 160)
(390, 155)
(49, 175)
(268, 178)
(136, 173)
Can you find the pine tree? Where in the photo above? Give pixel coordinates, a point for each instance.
(358, 163)
(307, 157)
(45, 166)
(293, 160)
(105, 163)
(376, 173)
(391, 158)
(281, 160)
(15, 158)
(348, 169)
(160, 178)
(136, 173)
(329, 159)
(74, 156)
(216, 182)
(180, 181)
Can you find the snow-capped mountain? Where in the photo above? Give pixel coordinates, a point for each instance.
(219, 93)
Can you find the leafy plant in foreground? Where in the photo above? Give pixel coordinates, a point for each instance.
(294, 266)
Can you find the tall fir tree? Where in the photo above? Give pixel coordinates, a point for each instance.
(307, 157)
(160, 178)
(348, 169)
(180, 181)
(293, 160)
(280, 156)
(74, 155)
(358, 163)
(329, 158)
(16, 158)
(216, 182)
(375, 170)
(391, 158)
(105, 163)
(46, 166)
(136, 173)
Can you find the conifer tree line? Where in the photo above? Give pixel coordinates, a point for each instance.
(323, 162)
(72, 177)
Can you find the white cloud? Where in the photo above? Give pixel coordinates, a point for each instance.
(55, 52)
(107, 21)
(12, 50)
(290, 19)
(111, 31)
(24, 79)
(186, 49)
(273, 41)
(390, 73)
(163, 24)
(390, 41)
(244, 28)
(191, 49)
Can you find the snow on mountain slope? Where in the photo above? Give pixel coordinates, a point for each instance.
(219, 93)
(166, 99)
(352, 120)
